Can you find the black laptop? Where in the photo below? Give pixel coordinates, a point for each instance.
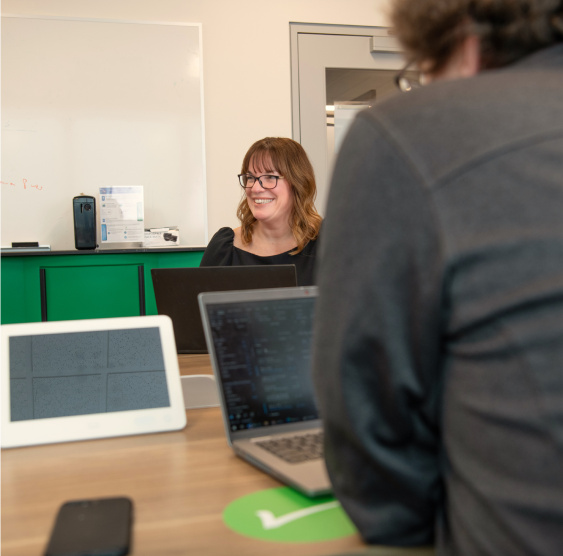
(176, 291)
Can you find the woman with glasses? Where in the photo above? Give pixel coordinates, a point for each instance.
(279, 221)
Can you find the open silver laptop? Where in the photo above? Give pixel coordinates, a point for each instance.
(259, 342)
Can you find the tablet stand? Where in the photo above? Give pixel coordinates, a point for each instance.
(199, 391)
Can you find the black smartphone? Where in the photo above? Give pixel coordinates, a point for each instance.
(92, 528)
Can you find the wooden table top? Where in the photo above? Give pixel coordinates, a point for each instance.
(180, 483)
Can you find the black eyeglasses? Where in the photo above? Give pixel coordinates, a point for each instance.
(267, 181)
(407, 83)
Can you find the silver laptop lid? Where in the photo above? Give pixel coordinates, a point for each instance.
(260, 347)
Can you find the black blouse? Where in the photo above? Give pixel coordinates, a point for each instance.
(222, 252)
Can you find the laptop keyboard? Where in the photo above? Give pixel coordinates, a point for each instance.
(295, 449)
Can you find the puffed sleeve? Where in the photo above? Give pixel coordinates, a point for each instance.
(219, 251)
(376, 352)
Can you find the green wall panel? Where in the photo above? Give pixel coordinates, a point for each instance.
(21, 291)
(88, 292)
(20, 301)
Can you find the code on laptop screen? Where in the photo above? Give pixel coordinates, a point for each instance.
(263, 352)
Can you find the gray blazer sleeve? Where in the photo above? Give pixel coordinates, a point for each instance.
(377, 340)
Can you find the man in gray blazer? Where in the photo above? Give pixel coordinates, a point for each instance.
(438, 357)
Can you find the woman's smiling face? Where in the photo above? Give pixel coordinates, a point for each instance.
(271, 206)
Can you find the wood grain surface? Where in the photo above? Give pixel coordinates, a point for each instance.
(180, 483)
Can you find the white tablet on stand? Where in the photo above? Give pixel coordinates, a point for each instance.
(85, 379)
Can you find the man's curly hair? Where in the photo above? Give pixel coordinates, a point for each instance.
(431, 30)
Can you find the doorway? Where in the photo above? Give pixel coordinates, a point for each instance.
(336, 71)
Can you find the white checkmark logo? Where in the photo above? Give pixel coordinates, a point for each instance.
(270, 521)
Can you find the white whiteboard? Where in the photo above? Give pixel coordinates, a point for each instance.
(93, 103)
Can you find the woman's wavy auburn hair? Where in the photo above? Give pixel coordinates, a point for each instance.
(286, 156)
(431, 30)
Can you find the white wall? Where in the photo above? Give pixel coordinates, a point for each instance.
(244, 41)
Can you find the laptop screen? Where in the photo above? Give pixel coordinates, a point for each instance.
(176, 291)
(80, 373)
(263, 353)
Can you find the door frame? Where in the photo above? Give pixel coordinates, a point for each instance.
(381, 40)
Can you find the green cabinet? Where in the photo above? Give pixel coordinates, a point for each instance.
(88, 292)
(79, 285)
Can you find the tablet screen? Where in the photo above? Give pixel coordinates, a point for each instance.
(81, 373)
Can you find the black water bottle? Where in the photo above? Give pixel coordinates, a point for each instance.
(84, 208)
